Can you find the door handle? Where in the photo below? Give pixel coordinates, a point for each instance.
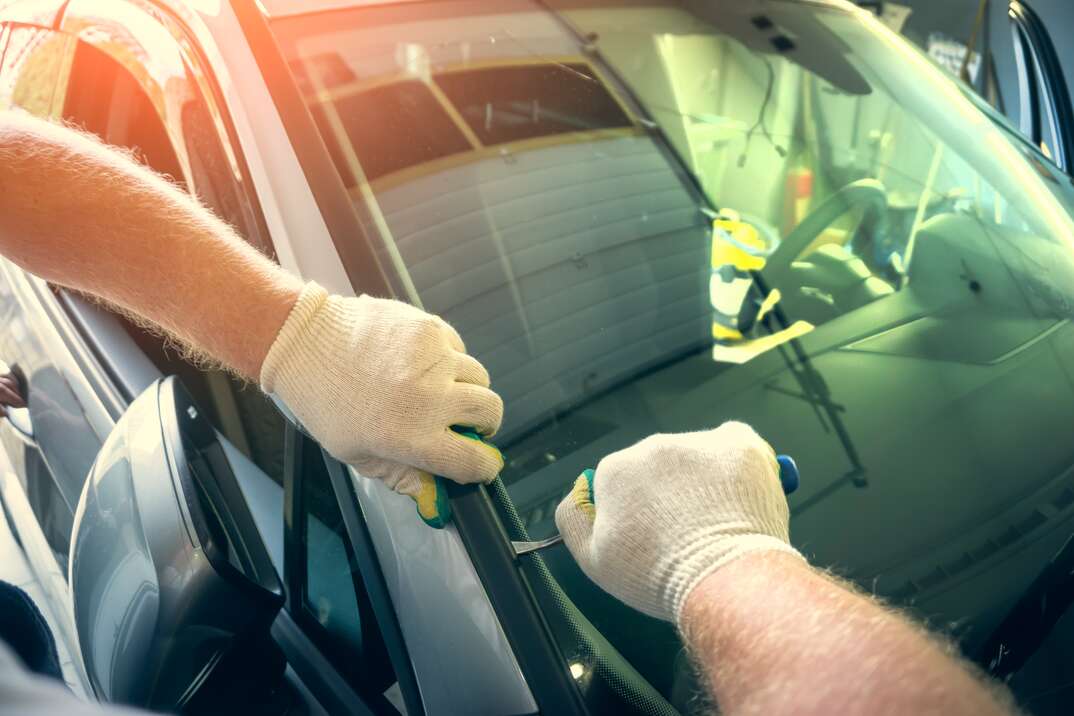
(19, 418)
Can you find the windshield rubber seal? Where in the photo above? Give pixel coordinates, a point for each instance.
(541, 661)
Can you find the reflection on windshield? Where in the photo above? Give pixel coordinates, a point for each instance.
(660, 216)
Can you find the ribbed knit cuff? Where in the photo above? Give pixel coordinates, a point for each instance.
(747, 544)
(292, 334)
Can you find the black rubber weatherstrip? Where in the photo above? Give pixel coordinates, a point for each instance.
(539, 658)
(351, 241)
(1044, 53)
(318, 675)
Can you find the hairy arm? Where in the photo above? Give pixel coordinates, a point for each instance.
(693, 528)
(81, 215)
(378, 382)
(775, 636)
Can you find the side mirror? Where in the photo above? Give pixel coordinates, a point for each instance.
(172, 589)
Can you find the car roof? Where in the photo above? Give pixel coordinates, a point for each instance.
(283, 8)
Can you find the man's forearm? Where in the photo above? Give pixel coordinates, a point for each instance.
(80, 215)
(775, 636)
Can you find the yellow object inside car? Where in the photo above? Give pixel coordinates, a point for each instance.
(736, 243)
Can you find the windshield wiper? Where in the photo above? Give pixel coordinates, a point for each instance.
(816, 392)
(587, 41)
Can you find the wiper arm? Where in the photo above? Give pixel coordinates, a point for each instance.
(587, 43)
(815, 390)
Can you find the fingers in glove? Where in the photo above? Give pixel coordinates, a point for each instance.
(462, 459)
(429, 496)
(746, 438)
(428, 493)
(470, 370)
(391, 473)
(574, 518)
(476, 407)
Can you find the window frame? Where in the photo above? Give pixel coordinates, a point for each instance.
(358, 546)
(1041, 85)
(91, 26)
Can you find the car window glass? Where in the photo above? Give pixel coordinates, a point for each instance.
(803, 224)
(507, 104)
(104, 98)
(329, 595)
(374, 117)
(332, 601)
(32, 62)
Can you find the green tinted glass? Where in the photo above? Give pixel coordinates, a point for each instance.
(665, 215)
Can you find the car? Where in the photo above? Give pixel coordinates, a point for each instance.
(641, 217)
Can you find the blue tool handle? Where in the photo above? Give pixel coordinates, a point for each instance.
(788, 473)
(788, 476)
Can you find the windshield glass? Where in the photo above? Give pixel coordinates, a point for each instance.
(651, 216)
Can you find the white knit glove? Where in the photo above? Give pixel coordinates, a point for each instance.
(660, 516)
(379, 384)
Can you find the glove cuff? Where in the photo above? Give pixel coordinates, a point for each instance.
(702, 564)
(293, 335)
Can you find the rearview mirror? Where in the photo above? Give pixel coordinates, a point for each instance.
(172, 588)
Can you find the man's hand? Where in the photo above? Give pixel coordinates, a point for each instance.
(671, 510)
(693, 529)
(380, 383)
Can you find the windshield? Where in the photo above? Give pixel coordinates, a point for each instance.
(651, 216)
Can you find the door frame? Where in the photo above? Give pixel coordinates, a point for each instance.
(1036, 57)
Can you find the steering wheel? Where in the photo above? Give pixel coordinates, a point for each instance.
(868, 193)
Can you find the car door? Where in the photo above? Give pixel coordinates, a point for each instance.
(50, 334)
(54, 439)
(153, 95)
